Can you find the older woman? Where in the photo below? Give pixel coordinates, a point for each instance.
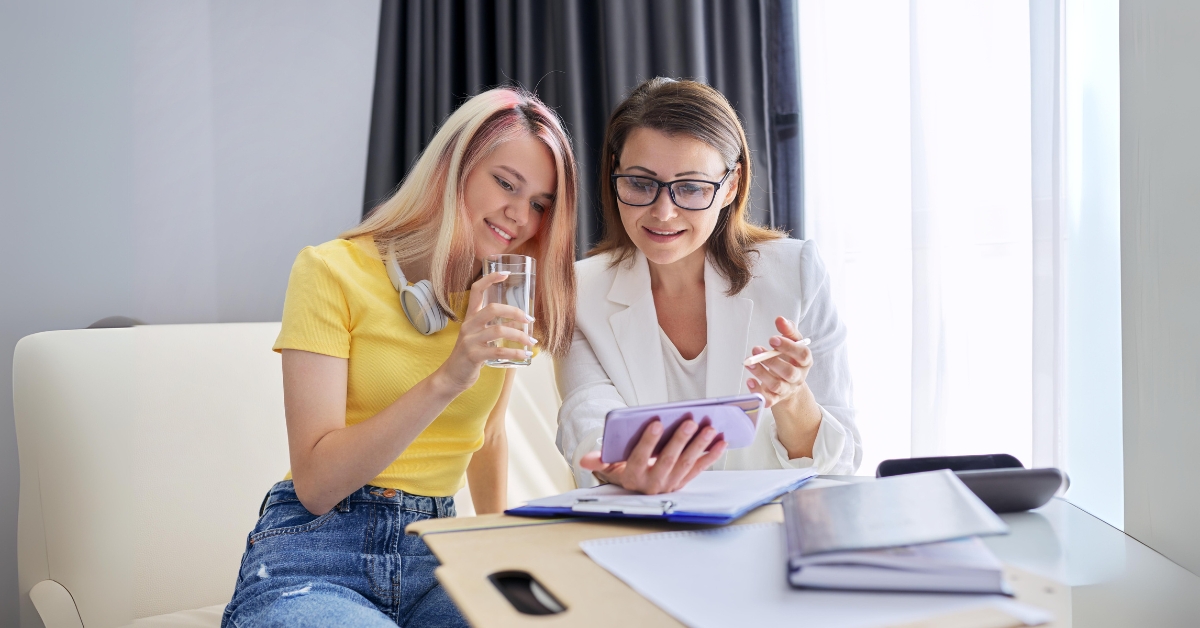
(683, 289)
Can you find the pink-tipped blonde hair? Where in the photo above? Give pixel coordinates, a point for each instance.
(427, 217)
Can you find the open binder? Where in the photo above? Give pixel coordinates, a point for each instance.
(713, 497)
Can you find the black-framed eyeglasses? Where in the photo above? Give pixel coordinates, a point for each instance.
(689, 194)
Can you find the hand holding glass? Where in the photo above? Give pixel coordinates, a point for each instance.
(517, 291)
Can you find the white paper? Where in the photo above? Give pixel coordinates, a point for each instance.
(711, 492)
(737, 576)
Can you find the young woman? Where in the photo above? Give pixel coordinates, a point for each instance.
(385, 422)
(683, 289)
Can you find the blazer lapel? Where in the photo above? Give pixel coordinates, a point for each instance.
(636, 330)
(728, 335)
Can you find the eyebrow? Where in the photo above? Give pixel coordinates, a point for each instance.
(513, 173)
(549, 196)
(678, 174)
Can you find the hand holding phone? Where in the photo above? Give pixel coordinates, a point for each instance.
(655, 461)
(735, 420)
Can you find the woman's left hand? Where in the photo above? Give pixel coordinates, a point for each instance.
(780, 378)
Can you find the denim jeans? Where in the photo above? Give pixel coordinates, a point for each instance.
(352, 566)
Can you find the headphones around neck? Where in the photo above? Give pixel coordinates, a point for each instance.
(418, 301)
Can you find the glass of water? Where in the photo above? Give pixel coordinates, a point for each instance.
(517, 291)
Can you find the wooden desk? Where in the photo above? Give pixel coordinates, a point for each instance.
(472, 549)
(1112, 580)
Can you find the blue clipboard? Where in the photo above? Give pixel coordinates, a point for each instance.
(665, 510)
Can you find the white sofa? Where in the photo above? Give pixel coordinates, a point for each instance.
(145, 453)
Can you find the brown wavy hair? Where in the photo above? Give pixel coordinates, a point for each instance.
(682, 107)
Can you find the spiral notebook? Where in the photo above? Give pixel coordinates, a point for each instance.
(916, 532)
(911, 509)
(959, 566)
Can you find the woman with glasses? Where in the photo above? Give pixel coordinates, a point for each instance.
(682, 290)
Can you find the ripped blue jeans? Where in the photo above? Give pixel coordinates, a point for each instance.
(352, 566)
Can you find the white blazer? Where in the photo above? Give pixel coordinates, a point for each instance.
(616, 357)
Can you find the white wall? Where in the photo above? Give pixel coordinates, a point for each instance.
(1160, 273)
(166, 161)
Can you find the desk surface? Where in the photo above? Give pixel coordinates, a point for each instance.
(1114, 580)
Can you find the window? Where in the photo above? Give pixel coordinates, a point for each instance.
(960, 180)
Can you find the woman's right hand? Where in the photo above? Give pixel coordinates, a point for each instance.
(681, 460)
(471, 349)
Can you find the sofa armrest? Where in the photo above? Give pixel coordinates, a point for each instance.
(55, 605)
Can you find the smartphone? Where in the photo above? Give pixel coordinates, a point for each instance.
(734, 418)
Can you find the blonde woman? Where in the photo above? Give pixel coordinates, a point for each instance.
(387, 415)
(682, 289)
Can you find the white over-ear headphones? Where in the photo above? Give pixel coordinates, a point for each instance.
(418, 301)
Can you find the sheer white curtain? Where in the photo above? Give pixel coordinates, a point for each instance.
(1047, 104)
(854, 74)
(962, 181)
(918, 190)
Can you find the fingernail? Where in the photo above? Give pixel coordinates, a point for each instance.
(529, 318)
(751, 385)
(689, 427)
(775, 342)
(534, 340)
(752, 367)
(529, 354)
(505, 272)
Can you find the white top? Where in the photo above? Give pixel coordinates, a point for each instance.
(617, 358)
(685, 378)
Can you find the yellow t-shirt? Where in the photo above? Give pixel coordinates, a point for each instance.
(340, 303)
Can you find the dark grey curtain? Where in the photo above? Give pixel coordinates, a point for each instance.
(582, 57)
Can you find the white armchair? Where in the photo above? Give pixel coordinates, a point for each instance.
(145, 453)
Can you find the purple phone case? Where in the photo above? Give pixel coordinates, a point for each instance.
(734, 418)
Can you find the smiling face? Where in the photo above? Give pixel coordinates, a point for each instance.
(507, 195)
(664, 232)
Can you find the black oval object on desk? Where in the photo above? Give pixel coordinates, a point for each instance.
(1014, 490)
(525, 593)
(901, 466)
(999, 480)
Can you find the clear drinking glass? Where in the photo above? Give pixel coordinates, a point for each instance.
(517, 291)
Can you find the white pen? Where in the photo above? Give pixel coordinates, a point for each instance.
(767, 355)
